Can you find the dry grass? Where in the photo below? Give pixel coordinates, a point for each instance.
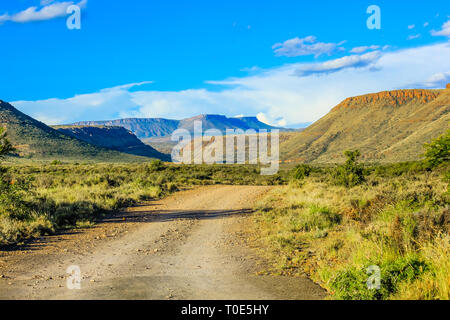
(398, 223)
(39, 199)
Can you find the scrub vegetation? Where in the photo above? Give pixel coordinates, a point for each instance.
(333, 223)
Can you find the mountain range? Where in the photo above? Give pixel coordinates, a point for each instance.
(156, 132)
(388, 126)
(158, 127)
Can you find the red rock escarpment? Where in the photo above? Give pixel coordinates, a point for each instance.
(394, 98)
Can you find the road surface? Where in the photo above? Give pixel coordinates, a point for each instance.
(191, 245)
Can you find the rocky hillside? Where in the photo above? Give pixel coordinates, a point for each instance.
(387, 127)
(115, 138)
(35, 140)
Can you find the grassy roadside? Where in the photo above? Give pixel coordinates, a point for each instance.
(398, 220)
(40, 199)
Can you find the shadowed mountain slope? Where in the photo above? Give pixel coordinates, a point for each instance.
(115, 138)
(34, 139)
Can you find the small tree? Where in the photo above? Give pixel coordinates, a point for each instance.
(156, 165)
(10, 198)
(302, 171)
(350, 173)
(438, 151)
(5, 145)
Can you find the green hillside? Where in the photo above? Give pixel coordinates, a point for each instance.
(35, 140)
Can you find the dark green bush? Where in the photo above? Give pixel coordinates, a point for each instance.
(156, 165)
(399, 169)
(55, 163)
(351, 284)
(11, 199)
(302, 171)
(438, 151)
(351, 173)
(5, 145)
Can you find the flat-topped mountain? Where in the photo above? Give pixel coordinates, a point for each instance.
(386, 126)
(142, 128)
(115, 138)
(34, 139)
(157, 127)
(393, 98)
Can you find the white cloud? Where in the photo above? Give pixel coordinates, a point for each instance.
(4, 17)
(412, 26)
(275, 95)
(364, 49)
(306, 46)
(426, 24)
(414, 36)
(445, 30)
(50, 10)
(128, 86)
(353, 61)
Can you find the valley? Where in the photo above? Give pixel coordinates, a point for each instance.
(371, 174)
(224, 159)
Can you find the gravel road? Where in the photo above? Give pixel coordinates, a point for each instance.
(191, 245)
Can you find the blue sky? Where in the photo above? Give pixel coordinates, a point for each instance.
(286, 61)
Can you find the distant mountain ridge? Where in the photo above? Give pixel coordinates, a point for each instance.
(388, 126)
(142, 128)
(157, 127)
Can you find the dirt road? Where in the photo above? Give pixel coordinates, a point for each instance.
(187, 246)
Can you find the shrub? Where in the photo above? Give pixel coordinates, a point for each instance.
(17, 220)
(56, 163)
(172, 187)
(302, 171)
(400, 169)
(5, 145)
(351, 173)
(438, 151)
(156, 165)
(351, 284)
